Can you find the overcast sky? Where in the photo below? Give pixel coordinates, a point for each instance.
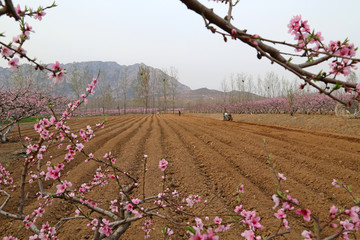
(164, 33)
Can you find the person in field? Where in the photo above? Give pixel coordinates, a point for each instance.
(227, 115)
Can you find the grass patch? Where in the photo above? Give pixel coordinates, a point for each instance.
(30, 119)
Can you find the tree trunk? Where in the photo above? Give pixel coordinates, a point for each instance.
(4, 136)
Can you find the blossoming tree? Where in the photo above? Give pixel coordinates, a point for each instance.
(18, 103)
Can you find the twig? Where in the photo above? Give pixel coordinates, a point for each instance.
(335, 235)
(212, 199)
(229, 16)
(19, 131)
(6, 200)
(144, 174)
(88, 205)
(62, 220)
(273, 167)
(278, 234)
(306, 76)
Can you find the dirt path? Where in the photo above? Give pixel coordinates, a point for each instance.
(211, 157)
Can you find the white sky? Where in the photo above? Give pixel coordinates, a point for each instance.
(164, 33)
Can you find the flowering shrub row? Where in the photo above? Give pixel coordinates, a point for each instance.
(307, 104)
(97, 111)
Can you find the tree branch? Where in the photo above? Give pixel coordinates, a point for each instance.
(33, 228)
(335, 235)
(9, 9)
(272, 53)
(62, 220)
(88, 205)
(278, 234)
(6, 200)
(315, 62)
(3, 205)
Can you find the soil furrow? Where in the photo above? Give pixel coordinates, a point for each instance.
(208, 157)
(293, 154)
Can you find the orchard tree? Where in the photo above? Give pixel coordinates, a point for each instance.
(19, 103)
(124, 86)
(173, 84)
(225, 89)
(142, 87)
(26, 75)
(155, 91)
(249, 88)
(106, 98)
(22, 77)
(78, 80)
(164, 80)
(271, 84)
(240, 84)
(232, 97)
(117, 90)
(259, 86)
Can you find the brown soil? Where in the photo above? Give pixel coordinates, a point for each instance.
(347, 125)
(211, 156)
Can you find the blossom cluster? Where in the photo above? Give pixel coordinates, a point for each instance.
(58, 73)
(146, 228)
(29, 220)
(341, 51)
(218, 225)
(200, 227)
(5, 178)
(13, 51)
(102, 226)
(192, 199)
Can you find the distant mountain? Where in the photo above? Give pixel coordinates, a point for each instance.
(79, 74)
(110, 75)
(205, 95)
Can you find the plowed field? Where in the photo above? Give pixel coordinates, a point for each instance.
(209, 156)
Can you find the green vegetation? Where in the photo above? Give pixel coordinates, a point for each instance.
(30, 119)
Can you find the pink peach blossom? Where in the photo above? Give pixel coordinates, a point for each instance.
(163, 164)
(13, 63)
(306, 213)
(307, 235)
(39, 15)
(281, 176)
